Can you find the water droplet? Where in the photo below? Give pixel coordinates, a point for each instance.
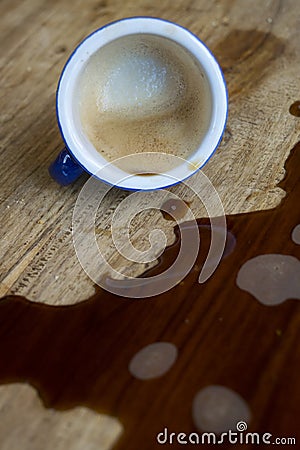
(218, 409)
(153, 361)
(296, 234)
(271, 278)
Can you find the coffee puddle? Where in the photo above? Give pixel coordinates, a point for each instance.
(80, 354)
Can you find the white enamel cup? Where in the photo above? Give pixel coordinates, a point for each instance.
(80, 155)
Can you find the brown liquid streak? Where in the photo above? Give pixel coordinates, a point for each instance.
(79, 355)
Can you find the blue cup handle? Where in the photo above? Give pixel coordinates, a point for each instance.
(64, 170)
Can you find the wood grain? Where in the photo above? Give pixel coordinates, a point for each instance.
(258, 48)
(260, 62)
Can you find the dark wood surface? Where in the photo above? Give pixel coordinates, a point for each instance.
(223, 334)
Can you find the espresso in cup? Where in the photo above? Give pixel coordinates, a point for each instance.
(144, 94)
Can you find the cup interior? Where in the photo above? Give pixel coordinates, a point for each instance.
(68, 105)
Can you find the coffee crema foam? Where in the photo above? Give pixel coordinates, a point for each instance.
(144, 94)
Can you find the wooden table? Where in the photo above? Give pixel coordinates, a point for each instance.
(257, 45)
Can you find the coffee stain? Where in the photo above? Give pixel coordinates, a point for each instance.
(295, 109)
(227, 136)
(174, 209)
(79, 354)
(101, 6)
(246, 57)
(60, 49)
(146, 174)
